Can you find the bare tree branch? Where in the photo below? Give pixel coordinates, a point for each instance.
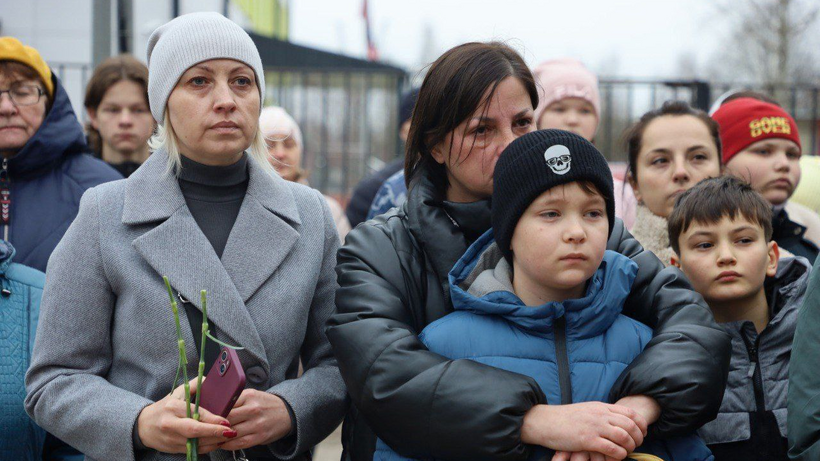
(768, 42)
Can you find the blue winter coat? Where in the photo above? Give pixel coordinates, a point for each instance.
(575, 350)
(20, 439)
(392, 194)
(47, 178)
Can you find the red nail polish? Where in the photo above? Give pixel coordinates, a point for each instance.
(229, 434)
(225, 423)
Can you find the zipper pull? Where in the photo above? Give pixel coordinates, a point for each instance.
(752, 370)
(753, 353)
(5, 194)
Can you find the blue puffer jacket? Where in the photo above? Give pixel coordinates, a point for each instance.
(20, 438)
(47, 178)
(575, 350)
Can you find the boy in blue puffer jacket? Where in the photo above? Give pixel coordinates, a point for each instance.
(539, 295)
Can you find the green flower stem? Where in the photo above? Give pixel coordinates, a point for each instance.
(236, 348)
(205, 327)
(183, 362)
(201, 371)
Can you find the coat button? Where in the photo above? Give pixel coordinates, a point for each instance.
(256, 375)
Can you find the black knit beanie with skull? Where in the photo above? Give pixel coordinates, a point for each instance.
(539, 161)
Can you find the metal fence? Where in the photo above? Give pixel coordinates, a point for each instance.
(348, 122)
(624, 101)
(348, 118)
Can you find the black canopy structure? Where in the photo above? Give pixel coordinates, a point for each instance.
(280, 54)
(347, 109)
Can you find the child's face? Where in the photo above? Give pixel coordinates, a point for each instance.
(560, 240)
(726, 261)
(571, 114)
(771, 166)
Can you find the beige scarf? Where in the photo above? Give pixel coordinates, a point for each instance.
(651, 232)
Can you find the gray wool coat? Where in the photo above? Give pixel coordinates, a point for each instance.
(106, 341)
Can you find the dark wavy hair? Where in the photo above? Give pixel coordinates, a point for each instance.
(453, 89)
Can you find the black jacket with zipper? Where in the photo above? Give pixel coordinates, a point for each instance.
(791, 236)
(393, 282)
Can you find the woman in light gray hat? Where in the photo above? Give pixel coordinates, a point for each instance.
(207, 211)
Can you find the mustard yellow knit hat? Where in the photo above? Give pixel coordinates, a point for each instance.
(12, 50)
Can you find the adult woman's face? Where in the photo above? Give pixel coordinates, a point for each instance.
(19, 123)
(214, 110)
(570, 114)
(123, 119)
(285, 154)
(677, 152)
(471, 151)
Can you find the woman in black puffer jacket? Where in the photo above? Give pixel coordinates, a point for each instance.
(392, 272)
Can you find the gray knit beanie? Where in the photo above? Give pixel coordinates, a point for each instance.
(190, 39)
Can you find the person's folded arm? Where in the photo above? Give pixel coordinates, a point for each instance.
(686, 364)
(420, 403)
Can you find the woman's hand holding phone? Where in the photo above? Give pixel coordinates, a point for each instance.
(163, 425)
(259, 418)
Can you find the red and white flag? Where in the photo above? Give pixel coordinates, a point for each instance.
(372, 52)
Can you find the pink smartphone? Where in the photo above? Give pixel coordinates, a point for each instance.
(223, 384)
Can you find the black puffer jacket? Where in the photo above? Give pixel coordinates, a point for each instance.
(791, 236)
(393, 277)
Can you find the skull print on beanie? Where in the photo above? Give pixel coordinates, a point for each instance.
(558, 159)
(537, 162)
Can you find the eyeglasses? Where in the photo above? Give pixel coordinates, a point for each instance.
(22, 94)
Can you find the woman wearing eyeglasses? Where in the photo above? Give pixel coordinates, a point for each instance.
(45, 168)
(43, 173)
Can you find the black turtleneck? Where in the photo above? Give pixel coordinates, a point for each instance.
(214, 195)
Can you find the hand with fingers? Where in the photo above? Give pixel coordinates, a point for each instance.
(612, 431)
(164, 426)
(645, 406)
(259, 418)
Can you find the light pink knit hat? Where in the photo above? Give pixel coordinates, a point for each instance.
(563, 78)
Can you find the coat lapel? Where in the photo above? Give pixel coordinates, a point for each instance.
(264, 232)
(178, 249)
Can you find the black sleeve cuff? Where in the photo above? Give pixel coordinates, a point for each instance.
(287, 443)
(138, 445)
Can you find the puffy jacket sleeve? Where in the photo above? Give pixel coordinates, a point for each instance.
(804, 380)
(686, 364)
(422, 404)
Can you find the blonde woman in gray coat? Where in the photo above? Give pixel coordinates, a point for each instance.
(207, 211)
